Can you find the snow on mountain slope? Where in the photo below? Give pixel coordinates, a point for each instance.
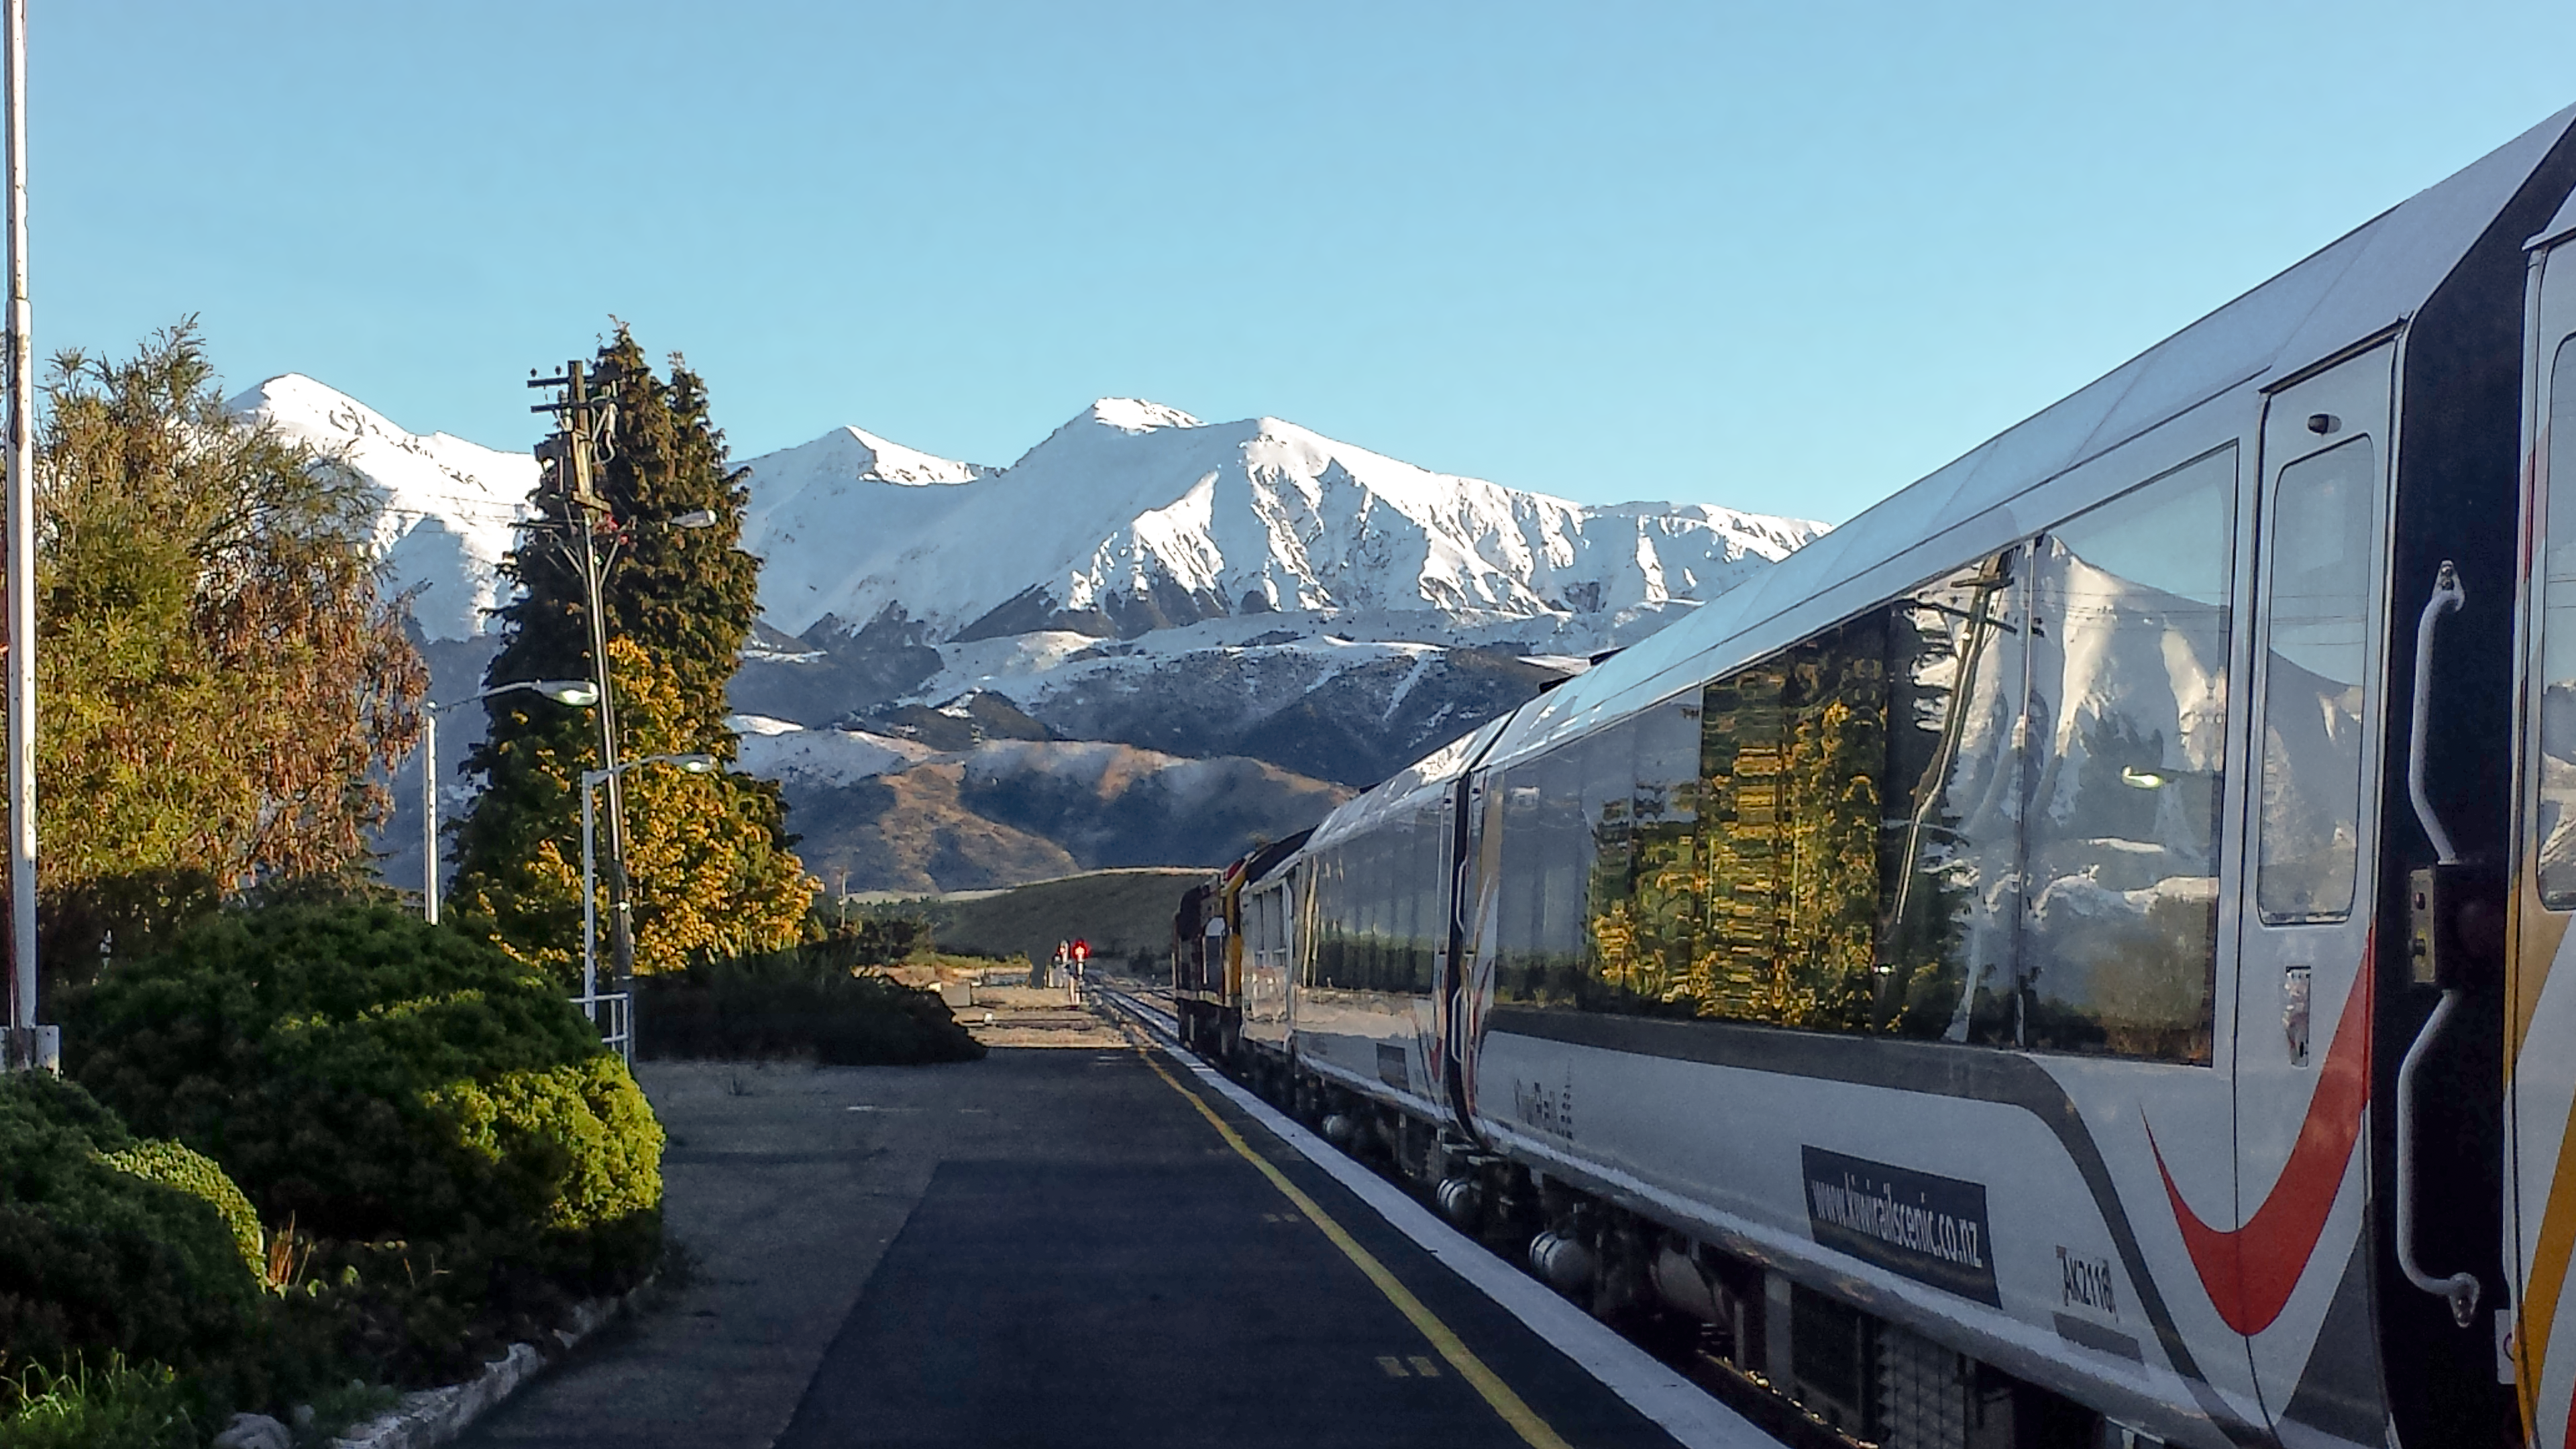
(1302, 614)
(450, 506)
(1131, 517)
(807, 502)
(777, 749)
(1136, 516)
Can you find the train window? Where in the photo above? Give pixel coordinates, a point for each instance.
(1789, 816)
(1567, 825)
(1987, 812)
(2126, 723)
(1739, 825)
(1374, 909)
(1609, 807)
(1322, 951)
(1950, 914)
(1431, 900)
(2556, 760)
(1334, 966)
(1549, 856)
(1646, 959)
(1341, 909)
(1521, 974)
(1601, 866)
(1407, 957)
(1369, 879)
(2318, 592)
(1395, 889)
(1386, 876)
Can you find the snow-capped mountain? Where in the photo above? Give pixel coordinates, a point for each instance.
(1135, 516)
(1310, 614)
(1250, 588)
(451, 508)
(1131, 517)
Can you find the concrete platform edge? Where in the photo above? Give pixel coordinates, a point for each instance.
(1680, 1407)
(429, 1417)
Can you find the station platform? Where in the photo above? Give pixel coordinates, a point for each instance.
(1093, 1245)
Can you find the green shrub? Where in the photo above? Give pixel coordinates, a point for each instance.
(171, 1164)
(792, 1005)
(383, 1079)
(95, 1261)
(579, 1145)
(124, 1407)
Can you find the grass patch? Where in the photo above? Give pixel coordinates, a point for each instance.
(120, 1407)
(1126, 915)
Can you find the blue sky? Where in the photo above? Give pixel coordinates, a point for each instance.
(1785, 257)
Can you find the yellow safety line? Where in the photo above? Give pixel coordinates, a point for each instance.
(1525, 1422)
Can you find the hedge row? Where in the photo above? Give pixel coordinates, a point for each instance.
(798, 1004)
(442, 1154)
(96, 1260)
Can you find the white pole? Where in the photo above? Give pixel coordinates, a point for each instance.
(589, 904)
(21, 566)
(429, 813)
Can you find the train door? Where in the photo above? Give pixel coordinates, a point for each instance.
(1266, 969)
(2294, 1274)
(1475, 917)
(1442, 852)
(1463, 983)
(2540, 986)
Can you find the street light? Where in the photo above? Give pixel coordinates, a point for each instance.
(578, 692)
(695, 764)
(594, 574)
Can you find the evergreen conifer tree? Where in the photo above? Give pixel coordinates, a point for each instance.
(679, 604)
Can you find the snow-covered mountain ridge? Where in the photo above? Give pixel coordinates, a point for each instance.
(1300, 614)
(1135, 516)
(1132, 516)
(450, 510)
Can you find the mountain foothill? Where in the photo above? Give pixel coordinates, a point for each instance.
(1150, 640)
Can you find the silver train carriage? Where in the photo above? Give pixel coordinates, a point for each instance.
(2067, 954)
(1207, 948)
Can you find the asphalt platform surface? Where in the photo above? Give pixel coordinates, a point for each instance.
(1047, 1247)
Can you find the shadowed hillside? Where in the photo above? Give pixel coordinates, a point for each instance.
(1126, 915)
(1019, 810)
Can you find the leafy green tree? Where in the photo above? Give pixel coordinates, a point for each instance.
(711, 873)
(219, 678)
(707, 879)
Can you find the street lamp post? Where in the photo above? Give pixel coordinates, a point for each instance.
(27, 1045)
(594, 566)
(695, 764)
(577, 692)
(569, 460)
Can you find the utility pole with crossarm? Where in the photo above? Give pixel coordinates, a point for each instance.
(585, 412)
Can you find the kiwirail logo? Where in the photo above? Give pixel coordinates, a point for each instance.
(1929, 1228)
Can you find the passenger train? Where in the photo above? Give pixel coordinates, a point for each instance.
(2066, 957)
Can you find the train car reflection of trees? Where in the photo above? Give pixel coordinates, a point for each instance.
(1986, 812)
